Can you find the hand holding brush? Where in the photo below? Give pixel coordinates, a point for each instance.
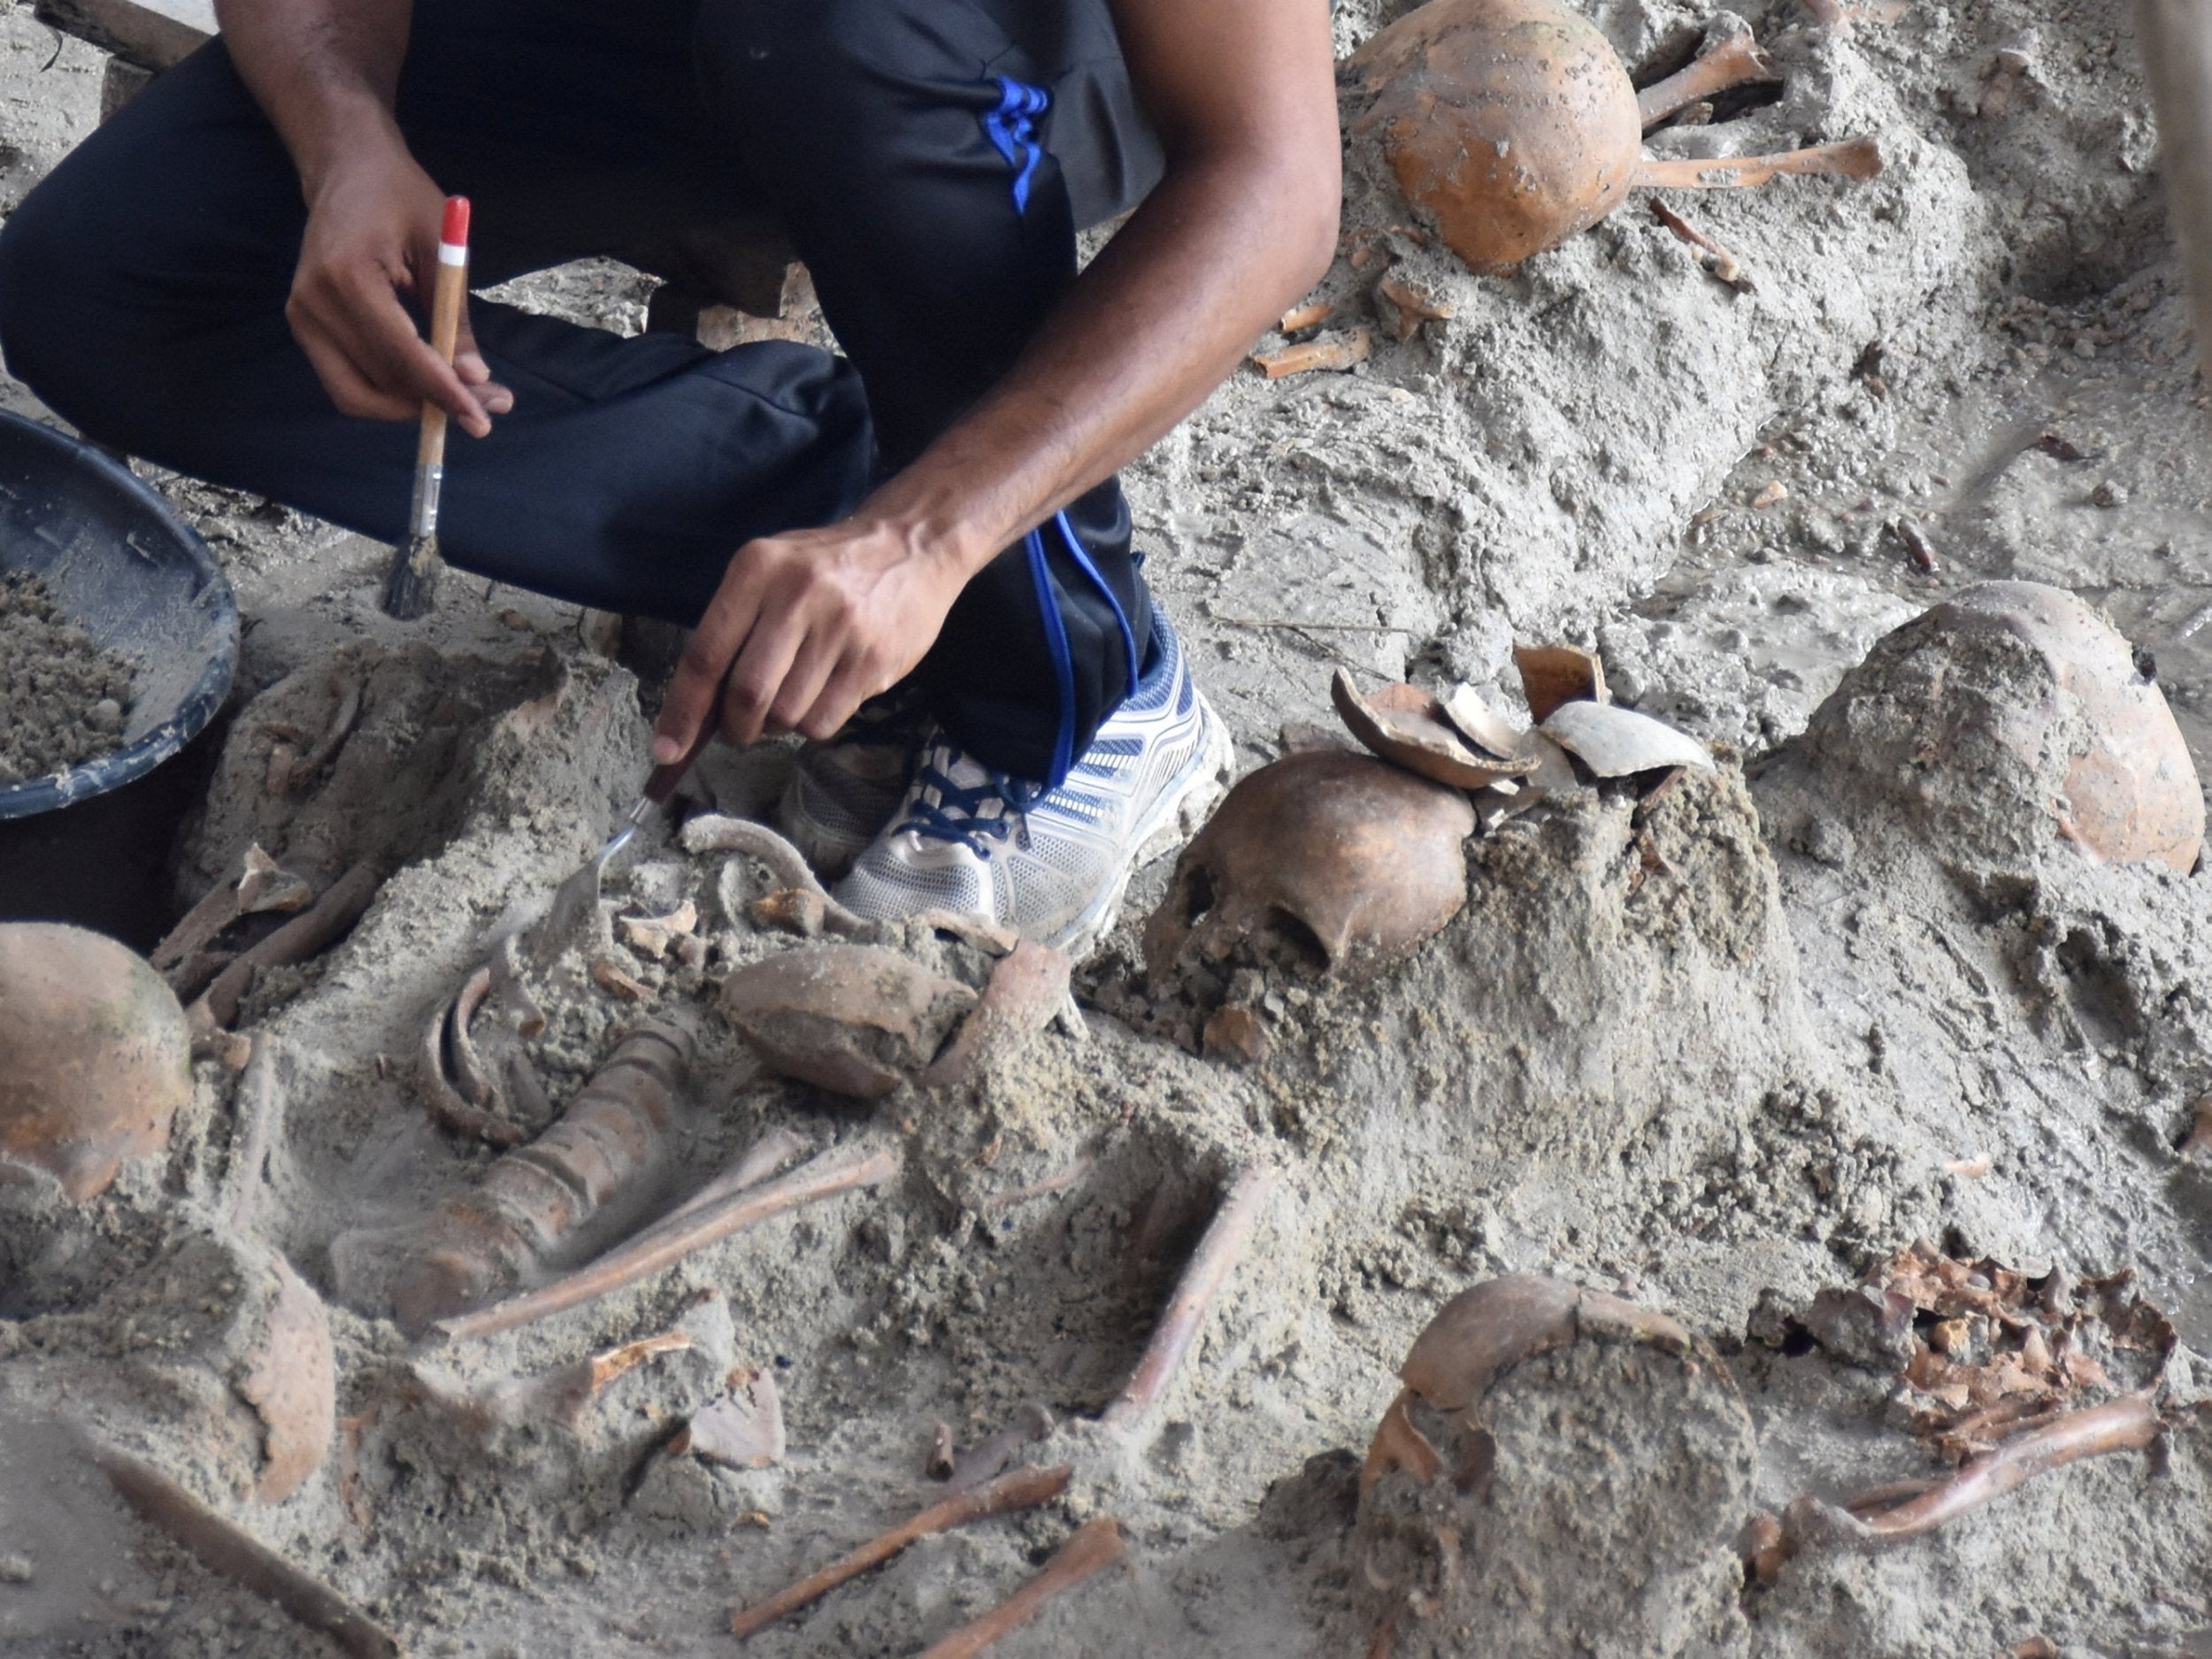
(412, 588)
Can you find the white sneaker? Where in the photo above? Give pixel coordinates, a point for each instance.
(1053, 865)
(844, 790)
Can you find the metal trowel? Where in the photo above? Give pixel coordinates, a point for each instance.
(575, 899)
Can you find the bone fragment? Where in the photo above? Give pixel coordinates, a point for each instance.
(1092, 1548)
(611, 980)
(656, 935)
(1406, 306)
(1312, 314)
(305, 936)
(943, 1454)
(1723, 265)
(984, 1459)
(340, 728)
(253, 1120)
(786, 866)
(1217, 1253)
(1026, 988)
(799, 911)
(1734, 61)
(755, 1165)
(1024, 1489)
(475, 1080)
(741, 1429)
(1917, 545)
(998, 1204)
(444, 1102)
(2199, 1136)
(2177, 57)
(228, 1551)
(832, 1172)
(261, 886)
(1341, 351)
(2126, 1423)
(1852, 158)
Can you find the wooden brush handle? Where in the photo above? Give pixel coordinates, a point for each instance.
(448, 293)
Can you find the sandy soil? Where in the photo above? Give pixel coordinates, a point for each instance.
(1715, 1049)
(62, 699)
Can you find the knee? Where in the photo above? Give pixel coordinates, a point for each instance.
(37, 295)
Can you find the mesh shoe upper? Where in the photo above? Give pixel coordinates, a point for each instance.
(843, 791)
(1052, 864)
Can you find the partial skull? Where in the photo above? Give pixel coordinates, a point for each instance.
(1330, 858)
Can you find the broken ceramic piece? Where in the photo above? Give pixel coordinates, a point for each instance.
(1321, 854)
(291, 1382)
(1489, 731)
(854, 1019)
(1615, 742)
(1406, 725)
(95, 1056)
(1554, 674)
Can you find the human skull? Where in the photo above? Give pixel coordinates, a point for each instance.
(94, 1061)
(1321, 850)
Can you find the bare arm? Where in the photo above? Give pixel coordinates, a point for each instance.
(1243, 93)
(327, 71)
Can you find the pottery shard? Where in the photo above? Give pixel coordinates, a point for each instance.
(1408, 726)
(1615, 742)
(291, 1382)
(856, 1019)
(94, 1059)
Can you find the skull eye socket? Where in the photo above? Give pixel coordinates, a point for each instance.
(1294, 933)
(1198, 894)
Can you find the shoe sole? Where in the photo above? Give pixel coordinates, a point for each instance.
(1174, 818)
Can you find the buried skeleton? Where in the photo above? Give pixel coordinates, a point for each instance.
(1623, 1195)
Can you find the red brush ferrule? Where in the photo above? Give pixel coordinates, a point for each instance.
(455, 231)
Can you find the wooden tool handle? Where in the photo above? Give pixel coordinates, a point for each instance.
(448, 293)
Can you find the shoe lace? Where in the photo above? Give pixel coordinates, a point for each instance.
(946, 810)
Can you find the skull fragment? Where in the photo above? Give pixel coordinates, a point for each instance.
(1331, 857)
(1584, 1450)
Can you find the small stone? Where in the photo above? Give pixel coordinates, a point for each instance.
(2109, 495)
(16, 1570)
(1774, 491)
(106, 714)
(1235, 1034)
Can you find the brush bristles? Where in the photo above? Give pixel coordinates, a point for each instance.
(410, 590)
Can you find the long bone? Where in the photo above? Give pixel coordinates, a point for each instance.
(1210, 1264)
(835, 1171)
(1024, 1489)
(1090, 1549)
(1737, 59)
(2127, 1423)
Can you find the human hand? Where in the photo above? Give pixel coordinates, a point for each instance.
(806, 627)
(372, 233)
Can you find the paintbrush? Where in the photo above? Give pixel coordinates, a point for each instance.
(412, 588)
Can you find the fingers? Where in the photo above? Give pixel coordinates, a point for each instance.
(802, 685)
(476, 374)
(757, 677)
(362, 344)
(697, 688)
(839, 700)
